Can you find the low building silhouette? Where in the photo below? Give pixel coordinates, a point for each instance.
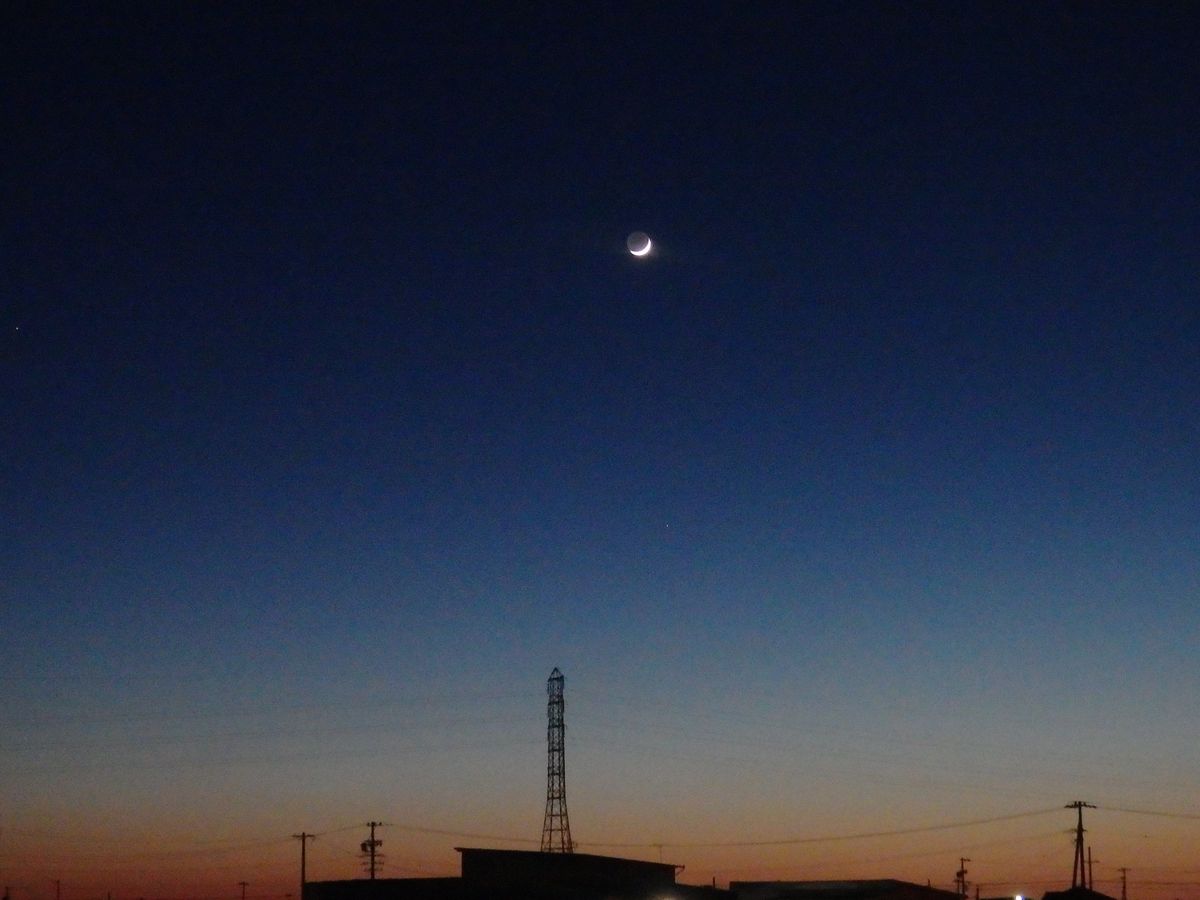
(1076, 893)
(527, 875)
(873, 889)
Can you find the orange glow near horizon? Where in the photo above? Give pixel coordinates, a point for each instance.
(1022, 856)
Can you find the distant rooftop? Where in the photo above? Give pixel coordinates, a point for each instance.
(1076, 893)
(862, 889)
(526, 875)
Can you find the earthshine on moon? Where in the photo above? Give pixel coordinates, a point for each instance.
(638, 243)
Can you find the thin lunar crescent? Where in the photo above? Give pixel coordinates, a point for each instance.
(639, 243)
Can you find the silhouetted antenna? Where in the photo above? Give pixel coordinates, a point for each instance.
(1124, 881)
(556, 828)
(372, 858)
(1078, 872)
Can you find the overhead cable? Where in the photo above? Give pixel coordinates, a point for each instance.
(831, 838)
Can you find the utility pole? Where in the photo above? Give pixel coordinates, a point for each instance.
(1124, 881)
(369, 848)
(1078, 872)
(244, 885)
(960, 877)
(303, 837)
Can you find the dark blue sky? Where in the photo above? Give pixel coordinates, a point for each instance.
(322, 354)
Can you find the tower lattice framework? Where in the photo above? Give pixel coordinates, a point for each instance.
(556, 829)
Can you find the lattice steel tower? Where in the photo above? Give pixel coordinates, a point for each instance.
(556, 829)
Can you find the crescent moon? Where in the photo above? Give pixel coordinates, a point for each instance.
(639, 251)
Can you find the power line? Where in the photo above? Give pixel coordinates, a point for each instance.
(216, 848)
(1140, 882)
(487, 836)
(830, 838)
(114, 740)
(172, 854)
(417, 829)
(474, 835)
(271, 759)
(454, 701)
(1151, 812)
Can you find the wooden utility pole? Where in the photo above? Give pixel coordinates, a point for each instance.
(303, 837)
(370, 849)
(960, 877)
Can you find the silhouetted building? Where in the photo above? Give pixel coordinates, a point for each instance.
(1076, 893)
(526, 875)
(875, 889)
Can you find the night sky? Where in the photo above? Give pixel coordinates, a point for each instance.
(336, 414)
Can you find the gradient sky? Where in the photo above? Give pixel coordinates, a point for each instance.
(336, 416)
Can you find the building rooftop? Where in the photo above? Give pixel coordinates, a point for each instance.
(860, 889)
